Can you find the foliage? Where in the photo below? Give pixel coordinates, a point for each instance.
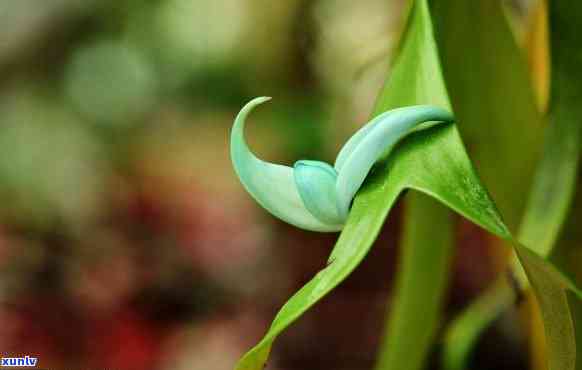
(434, 162)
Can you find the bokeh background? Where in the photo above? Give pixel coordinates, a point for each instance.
(126, 241)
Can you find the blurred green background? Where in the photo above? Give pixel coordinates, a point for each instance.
(126, 241)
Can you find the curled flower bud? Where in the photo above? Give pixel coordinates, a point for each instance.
(313, 195)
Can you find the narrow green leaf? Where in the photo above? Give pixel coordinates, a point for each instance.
(464, 331)
(576, 309)
(422, 278)
(552, 297)
(554, 185)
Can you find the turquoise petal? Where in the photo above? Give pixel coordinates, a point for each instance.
(375, 140)
(271, 185)
(316, 185)
(356, 138)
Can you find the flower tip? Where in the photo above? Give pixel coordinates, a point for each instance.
(262, 99)
(253, 103)
(247, 108)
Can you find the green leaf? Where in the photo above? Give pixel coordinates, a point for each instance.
(422, 277)
(554, 181)
(490, 71)
(566, 112)
(551, 292)
(492, 98)
(424, 264)
(352, 246)
(565, 119)
(576, 309)
(433, 162)
(380, 139)
(464, 331)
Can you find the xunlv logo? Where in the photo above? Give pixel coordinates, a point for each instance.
(26, 361)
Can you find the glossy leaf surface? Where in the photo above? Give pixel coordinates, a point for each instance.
(554, 181)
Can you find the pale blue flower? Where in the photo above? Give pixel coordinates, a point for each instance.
(314, 195)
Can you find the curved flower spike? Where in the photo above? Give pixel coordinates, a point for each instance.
(314, 195)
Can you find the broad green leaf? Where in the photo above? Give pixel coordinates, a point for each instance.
(555, 177)
(497, 116)
(492, 97)
(434, 162)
